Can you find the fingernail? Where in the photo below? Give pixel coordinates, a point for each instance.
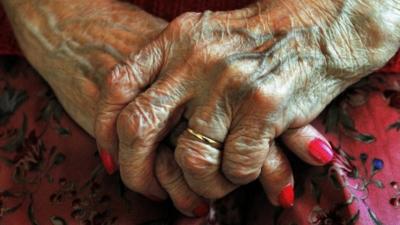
(286, 197)
(108, 162)
(320, 150)
(201, 210)
(154, 198)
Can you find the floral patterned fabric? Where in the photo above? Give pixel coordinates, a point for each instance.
(50, 172)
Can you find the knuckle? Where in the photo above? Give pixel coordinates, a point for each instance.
(238, 84)
(106, 116)
(127, 126)
(243, 158)
(207, 118)
(235, 74)
(120, 85)
(193, 162)
(168, 178)
(183, 23)
(277, 172)
(244, 68)
(138, 119)
(115, 77)
(137, 68)
(131, 132)
(194, 165)
(167, 170)
(271, 100)
(276, 167)
(241, 170)
(234, 84)
(242, 175)
(244, 63)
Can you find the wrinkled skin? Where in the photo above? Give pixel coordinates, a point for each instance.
(241, 78)
(76, 80)
(73, 53)
(75, 63)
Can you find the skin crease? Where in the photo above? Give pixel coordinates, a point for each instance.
(90, 63)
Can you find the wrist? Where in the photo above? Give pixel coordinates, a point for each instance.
(368, 25)
(73, 53)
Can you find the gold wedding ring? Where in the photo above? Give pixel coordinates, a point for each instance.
(205, 139)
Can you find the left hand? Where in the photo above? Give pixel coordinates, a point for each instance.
(242, 78)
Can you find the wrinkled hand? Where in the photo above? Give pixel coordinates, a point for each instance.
(168, 175)
(75, 76)
(241, 78)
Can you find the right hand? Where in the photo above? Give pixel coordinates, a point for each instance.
(138, 160)
(157, 174)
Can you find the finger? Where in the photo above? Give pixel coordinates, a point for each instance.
(171, 179)
(200, 161)
(277, 178)
(250, 135)
(141, 125)
(308, 144)
(119, 88)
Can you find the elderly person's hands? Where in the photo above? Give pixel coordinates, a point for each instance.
(242, 78)
(75, 62)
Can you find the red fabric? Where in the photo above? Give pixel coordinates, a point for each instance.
(8, 44)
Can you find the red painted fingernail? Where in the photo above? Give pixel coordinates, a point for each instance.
(286, 197)
(320, 150)
(108, 162)
(201, 210)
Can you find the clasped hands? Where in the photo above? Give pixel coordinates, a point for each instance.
(241, 78)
